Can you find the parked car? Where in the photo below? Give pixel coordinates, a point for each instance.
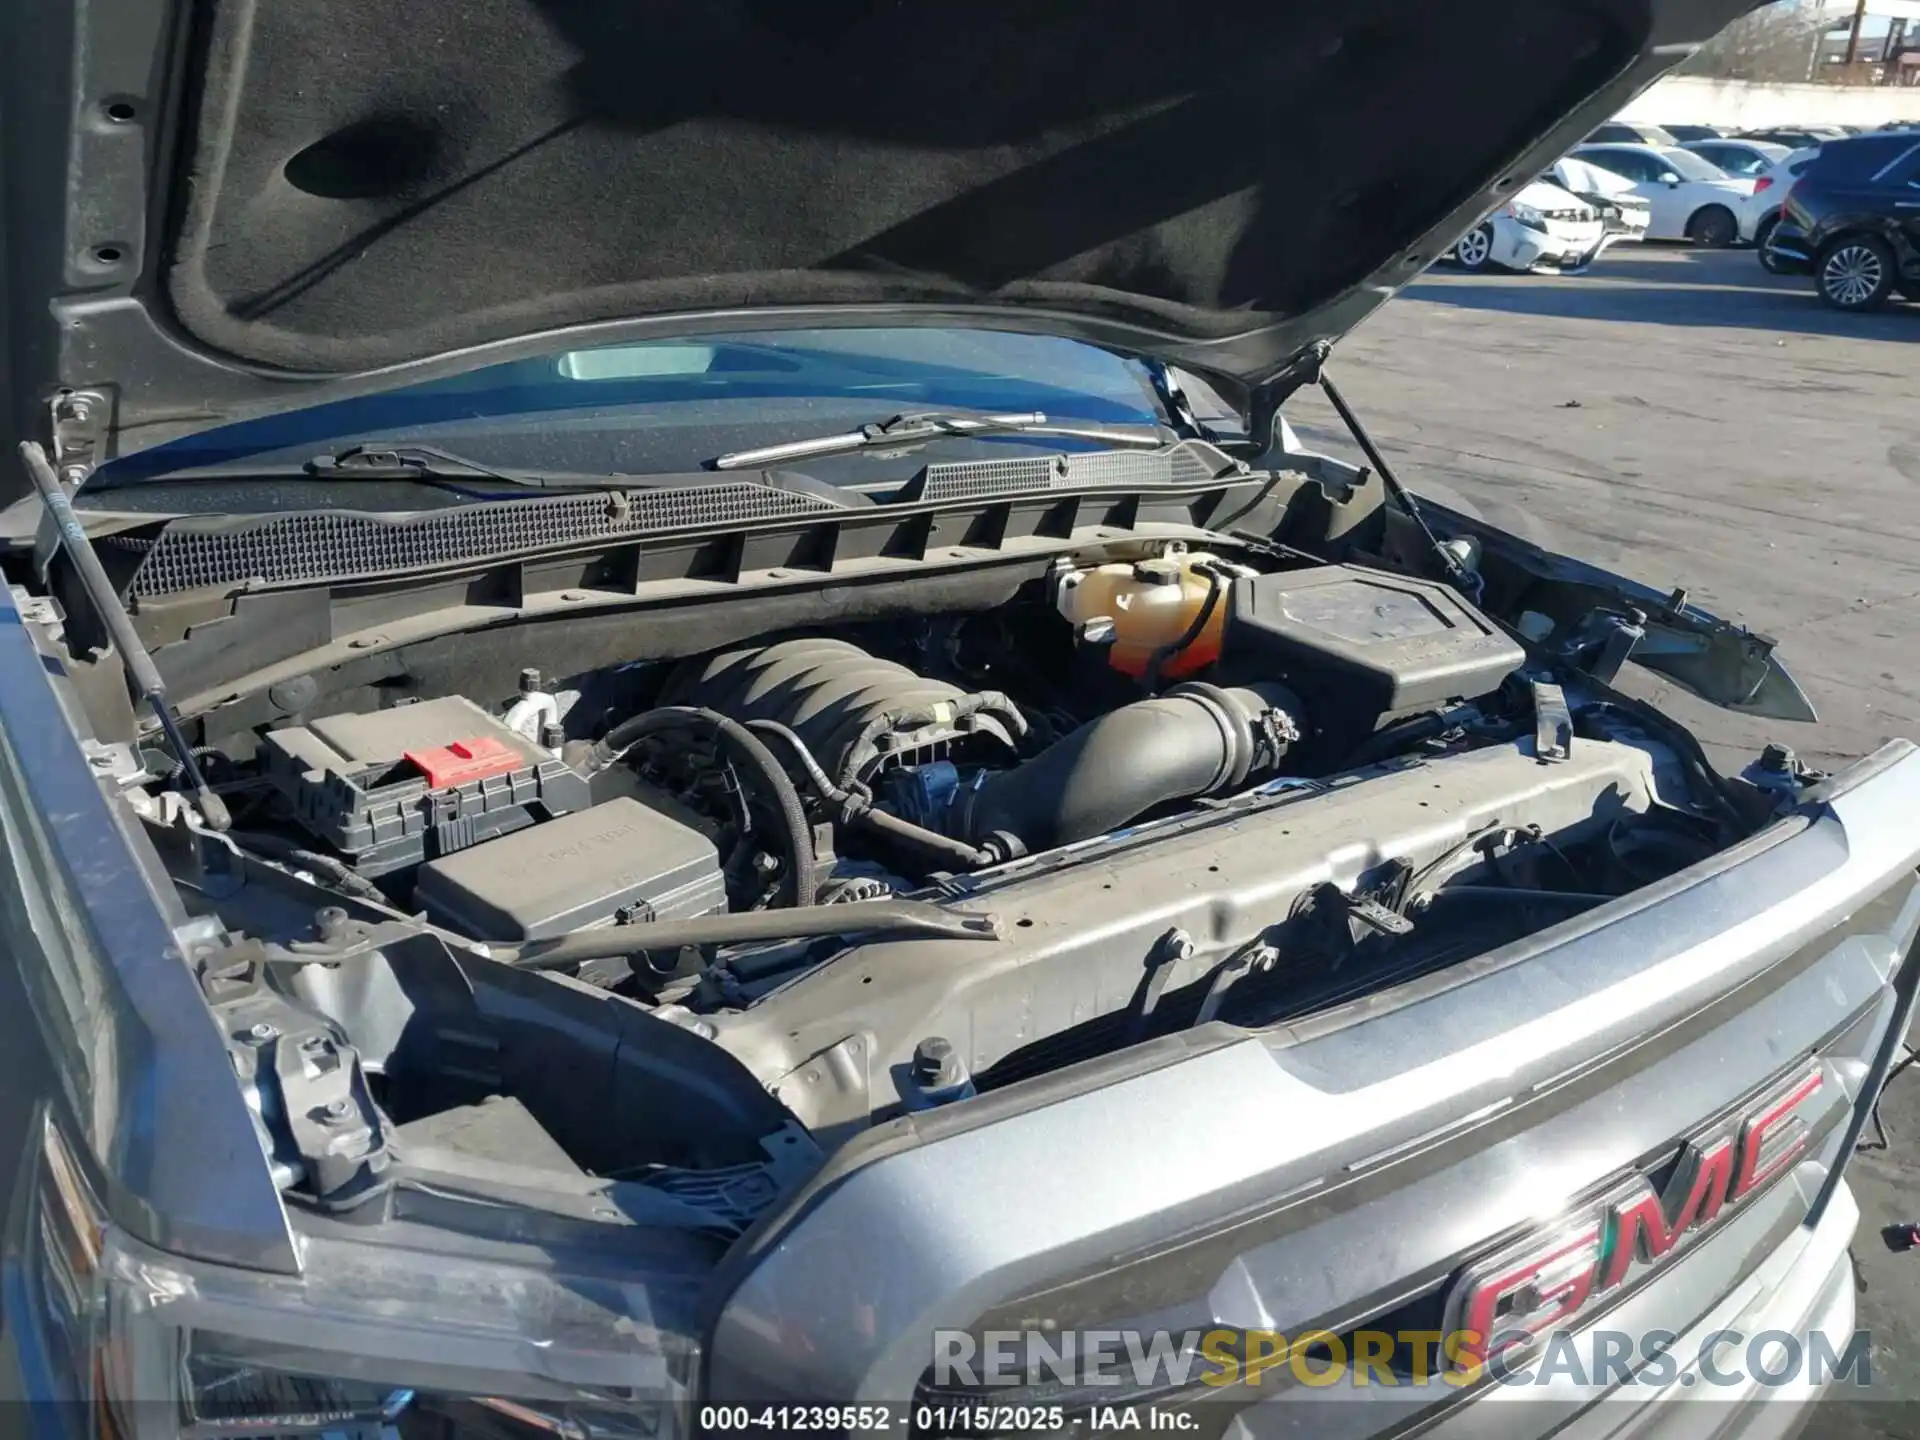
(1796, 137)
(1852, 221)
(1686, 133)
(1742, 159)
(1689, 197)
(1769, 195)
(1625, 215)
(1542, 228)
(1631, 132)
(687, 748)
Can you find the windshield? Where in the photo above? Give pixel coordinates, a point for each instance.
(1689, 166)
(666, 407)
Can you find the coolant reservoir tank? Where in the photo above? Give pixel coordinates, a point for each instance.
(1149, 604)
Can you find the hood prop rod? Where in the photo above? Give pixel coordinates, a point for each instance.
(119, 625)
(1457, 573)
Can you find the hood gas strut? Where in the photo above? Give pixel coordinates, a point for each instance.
(113, 615)
(1458, 575)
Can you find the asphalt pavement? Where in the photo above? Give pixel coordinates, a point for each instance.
(1683, 418)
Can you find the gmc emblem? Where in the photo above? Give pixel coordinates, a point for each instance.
(1546, 1279)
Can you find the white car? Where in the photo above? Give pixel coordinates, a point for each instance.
(1625, 214)
(1740, 158)
(1541, 228)
(1770, 193)
(1690, 198)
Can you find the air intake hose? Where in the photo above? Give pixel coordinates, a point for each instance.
(1192, 741)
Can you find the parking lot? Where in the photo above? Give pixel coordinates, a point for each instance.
(1688, 420)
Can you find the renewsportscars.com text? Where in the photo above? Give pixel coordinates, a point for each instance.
(1135, 1360)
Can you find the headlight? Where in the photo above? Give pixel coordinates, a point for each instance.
(553, 1342)
(1528, 216)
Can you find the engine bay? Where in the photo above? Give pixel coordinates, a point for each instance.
(679, 926)
(825, 768)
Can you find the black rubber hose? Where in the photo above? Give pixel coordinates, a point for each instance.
(1217, 581)
(931, 842)
(1194, 740)
(336, 871)
(1514, 895)
(748, 750)
(1399, 736)
(786, 735)
(858, 809)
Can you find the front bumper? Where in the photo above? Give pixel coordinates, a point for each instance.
(1337, 1173)
(1625, 224)
(1568, 250)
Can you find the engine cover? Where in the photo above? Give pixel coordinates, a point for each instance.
(857, 713)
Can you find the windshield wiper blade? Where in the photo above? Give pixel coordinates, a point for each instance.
(429, 464)
(906, 430)
(864, 917)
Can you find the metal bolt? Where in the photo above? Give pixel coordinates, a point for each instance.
(1777, 758)
(338, 1110)
(1176, 944)
(263, 1031)
(73, 474)
(529, 680)
(1263, 958)
(933, 1061)
(328, 920)
(553, 735)
(766, 864)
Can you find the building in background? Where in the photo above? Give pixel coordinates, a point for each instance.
(1877, 44)
(1839, 42)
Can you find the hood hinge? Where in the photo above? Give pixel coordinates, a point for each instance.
(77, 428)
(1264, 400)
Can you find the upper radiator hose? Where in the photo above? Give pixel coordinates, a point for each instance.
(1194, 740)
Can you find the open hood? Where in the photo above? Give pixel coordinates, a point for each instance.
(240, 206)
